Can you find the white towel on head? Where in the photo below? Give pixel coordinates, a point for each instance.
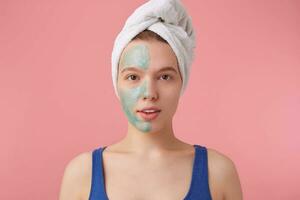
(167, 18)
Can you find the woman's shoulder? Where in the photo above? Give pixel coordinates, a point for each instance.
(80, 164)
(223, 175)
(219, 160)
(77, 176)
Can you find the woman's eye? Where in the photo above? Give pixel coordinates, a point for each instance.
(166, 77)
(131, 77)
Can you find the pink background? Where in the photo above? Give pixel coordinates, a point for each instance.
(57, 99)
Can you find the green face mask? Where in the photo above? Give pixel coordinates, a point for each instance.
(138, 56)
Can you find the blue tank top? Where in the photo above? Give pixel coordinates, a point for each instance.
(198, 190)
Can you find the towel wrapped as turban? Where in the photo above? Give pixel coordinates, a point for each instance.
(168, 19)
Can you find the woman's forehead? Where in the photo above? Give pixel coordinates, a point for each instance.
(152, 55)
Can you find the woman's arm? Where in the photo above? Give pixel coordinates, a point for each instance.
(232, 186)
(76, 177)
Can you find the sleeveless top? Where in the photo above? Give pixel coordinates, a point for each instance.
(198, 190)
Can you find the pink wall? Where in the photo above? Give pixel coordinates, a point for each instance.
(57, 99)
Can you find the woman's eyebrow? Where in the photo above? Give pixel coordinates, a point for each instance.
(167, 69)
(130, 69)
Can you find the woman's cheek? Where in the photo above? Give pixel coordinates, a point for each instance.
(129, 100)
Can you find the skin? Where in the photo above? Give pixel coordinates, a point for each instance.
(149, 147)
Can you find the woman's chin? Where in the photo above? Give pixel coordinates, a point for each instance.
(149, 128)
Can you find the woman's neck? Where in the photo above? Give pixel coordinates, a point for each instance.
(150, 143)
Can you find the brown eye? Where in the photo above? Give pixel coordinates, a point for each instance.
(166, 77)
(131, 77)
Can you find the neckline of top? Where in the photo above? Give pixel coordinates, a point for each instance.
(191, 182)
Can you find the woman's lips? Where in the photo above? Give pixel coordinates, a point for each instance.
(148, 116)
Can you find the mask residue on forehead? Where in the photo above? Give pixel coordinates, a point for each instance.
(129, 99)
(137, 55)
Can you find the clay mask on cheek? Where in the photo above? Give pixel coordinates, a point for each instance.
(129, 99)
(137, 56)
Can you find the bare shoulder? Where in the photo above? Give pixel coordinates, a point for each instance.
(223, 176)
(219, 164)
(77, 177)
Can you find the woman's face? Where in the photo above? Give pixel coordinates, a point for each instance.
(148, 76)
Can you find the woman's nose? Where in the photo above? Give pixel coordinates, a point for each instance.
(150, 91)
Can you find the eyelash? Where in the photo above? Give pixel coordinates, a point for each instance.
(130, 75)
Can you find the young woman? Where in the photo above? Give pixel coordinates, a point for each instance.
(150, 163)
